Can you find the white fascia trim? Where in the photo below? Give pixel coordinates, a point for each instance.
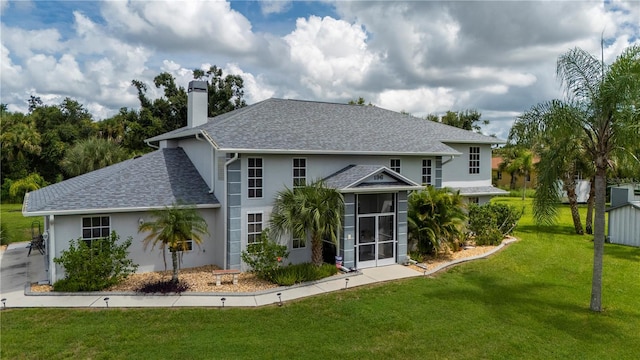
(335, 152)
(488, 142)
(382, 169)
(385, 189)
(108, 210)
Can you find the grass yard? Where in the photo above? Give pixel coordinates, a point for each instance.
(18, 227)
(530, 301)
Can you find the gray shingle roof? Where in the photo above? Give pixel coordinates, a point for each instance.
(151, 181)
(307, 126)
(353, 176)
(480, 190)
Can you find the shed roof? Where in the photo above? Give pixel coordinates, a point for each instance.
(151, 181)
(278, 125)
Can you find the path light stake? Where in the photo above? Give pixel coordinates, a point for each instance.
(4, 300)
(279, 299)
(346, 282)
(223, 300)
(106, 301)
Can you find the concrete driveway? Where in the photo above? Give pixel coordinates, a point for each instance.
(17, 270)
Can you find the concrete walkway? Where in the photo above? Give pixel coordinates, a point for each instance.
(17, 272)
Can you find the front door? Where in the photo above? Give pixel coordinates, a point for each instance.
(376, 242)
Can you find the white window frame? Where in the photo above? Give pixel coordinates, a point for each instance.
(474, 200)
(303, 169)
(255, 174)
(427, 172)
(189, 246)
(298, 243)
(254, 236)
(100, 227)
(395, 167)
(474, 160)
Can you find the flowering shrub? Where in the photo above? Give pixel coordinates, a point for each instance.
(265, 256)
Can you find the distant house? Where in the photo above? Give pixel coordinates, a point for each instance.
(231, 167)
(502, 179)
(624, 215)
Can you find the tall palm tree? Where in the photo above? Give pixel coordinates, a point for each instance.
(435, 216)
(172, 228)
(601, 106)
(313, 210)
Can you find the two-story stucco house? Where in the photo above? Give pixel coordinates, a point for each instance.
(231, 167)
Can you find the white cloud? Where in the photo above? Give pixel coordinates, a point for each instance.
(419, 102)
(181, 25)
(330, 54)
(269, 7)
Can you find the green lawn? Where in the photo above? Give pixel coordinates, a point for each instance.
(18, 226)
(530, 301)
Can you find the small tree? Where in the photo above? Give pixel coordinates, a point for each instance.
(265, 256)
(95, 267)
(313, 209)
(173, 227)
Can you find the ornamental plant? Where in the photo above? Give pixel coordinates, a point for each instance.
(265, 257)
(95, 267)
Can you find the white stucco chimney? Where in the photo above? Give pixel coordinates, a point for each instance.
(197, 100)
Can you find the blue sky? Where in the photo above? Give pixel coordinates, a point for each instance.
(419, 56)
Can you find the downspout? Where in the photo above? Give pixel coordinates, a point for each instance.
(150, 145)
(226, 225)
(448, 160)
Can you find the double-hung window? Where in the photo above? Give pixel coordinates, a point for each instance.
(474, 160)
(95, 228)
(394, 164)
(254, 177)
(254, 227)
(298, 243)
(299, 173)
(426, 172)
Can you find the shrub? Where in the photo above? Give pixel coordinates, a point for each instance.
(95, 267)
(490, 223)
(295, 274)
(265, 256)
(163, 287)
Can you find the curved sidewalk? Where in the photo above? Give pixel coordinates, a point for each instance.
(17, 272)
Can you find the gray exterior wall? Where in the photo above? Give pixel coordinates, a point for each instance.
(455, 173)
(126, 224)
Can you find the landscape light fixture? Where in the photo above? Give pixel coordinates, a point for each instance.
(346, 283)
(4, 300)
(279, 299)
(223, 300)
(106, 301)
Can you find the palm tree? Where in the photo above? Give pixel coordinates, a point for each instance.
(173, 227)
(521, 164)
(312, 210)
(435, 216)
(601, 108)
(92, 154)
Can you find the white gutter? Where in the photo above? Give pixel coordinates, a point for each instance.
(108, 210)
(149, 144)
(451, 158)
(336, 152)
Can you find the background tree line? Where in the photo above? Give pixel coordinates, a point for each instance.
(53, 142)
